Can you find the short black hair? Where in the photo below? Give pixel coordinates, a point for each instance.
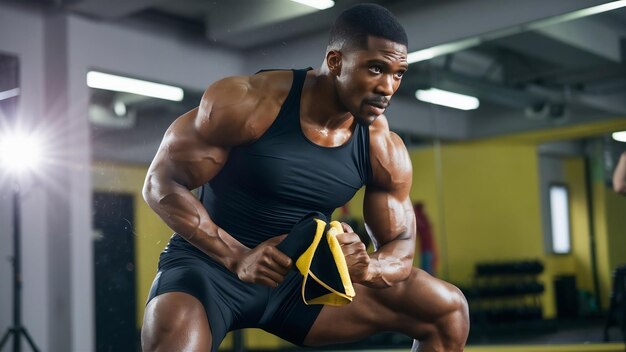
(356, 23)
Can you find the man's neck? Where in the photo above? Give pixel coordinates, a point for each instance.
(320, 103)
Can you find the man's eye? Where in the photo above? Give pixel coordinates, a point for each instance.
(376, 69)
(400, 74)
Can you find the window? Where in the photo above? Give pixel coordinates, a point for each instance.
(559, 219)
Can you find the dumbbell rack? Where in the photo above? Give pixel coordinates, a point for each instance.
(506, 294)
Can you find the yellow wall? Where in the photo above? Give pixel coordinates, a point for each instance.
(610, 227)
(574, 170)
(425, 189)
(151, 233)
(616, 227)
(491, 203)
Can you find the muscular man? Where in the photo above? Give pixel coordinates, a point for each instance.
(619, 175)
(266, 150)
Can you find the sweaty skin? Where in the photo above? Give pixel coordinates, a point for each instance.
(239, 110)
(351, 85)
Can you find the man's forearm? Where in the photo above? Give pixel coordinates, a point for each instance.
(184, 214)
(392, 262)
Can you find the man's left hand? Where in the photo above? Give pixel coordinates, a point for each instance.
(356, 255)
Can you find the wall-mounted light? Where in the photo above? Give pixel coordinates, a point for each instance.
(107, 81)
(318, 4)
(619, 136)
(449, 99)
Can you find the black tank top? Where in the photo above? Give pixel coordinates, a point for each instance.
(265, 187)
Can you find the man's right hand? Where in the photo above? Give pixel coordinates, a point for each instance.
(264, 264)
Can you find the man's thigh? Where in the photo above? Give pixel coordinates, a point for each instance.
(227, 302)
(175, 321)
(411, 307)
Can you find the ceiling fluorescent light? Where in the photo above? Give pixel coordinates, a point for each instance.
(420, 55)
(443, 49)
(449, 99)
(594, 10)
(130, 85)
(318, 4)
(619, 136)
(9, 93)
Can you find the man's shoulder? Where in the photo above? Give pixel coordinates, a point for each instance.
(238, 109)
(262, 84)
(390, 159)
(272, 82)
(381, 135)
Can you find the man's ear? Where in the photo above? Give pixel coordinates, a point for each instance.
(333, 61)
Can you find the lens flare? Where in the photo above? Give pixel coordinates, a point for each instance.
(20, 152)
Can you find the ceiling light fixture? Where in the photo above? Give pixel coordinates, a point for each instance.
(443, 49)
(448, 48)
(619, 136)
(9, 93)
(449, 99)
(136, 86)
(318, 4)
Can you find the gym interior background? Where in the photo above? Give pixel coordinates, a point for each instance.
(550, 78)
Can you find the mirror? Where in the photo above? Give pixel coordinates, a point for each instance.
(523, 216)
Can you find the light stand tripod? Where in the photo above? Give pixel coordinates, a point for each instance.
(17, 330)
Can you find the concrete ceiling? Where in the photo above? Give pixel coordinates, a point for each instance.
(526, 61)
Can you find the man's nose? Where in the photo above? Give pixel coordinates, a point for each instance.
(385, 86)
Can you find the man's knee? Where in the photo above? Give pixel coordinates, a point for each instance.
(453, 327)
(440, 313)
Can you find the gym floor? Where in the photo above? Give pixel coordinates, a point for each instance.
(554, 336)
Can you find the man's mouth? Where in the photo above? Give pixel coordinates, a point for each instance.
(381, 104)
(378, 105)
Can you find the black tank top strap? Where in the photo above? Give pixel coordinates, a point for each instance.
(293, 98)
(285, 120)
(362, 149)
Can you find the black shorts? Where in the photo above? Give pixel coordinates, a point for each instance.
(230, 303)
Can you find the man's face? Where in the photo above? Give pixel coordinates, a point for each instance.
(370, 76)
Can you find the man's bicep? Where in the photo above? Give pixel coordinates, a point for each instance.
(387, 207)
(387, 216)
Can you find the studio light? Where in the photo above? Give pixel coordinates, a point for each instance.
(107, 81)
(20, 152)
(318, 4)
(619, 136)
(449, 99)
